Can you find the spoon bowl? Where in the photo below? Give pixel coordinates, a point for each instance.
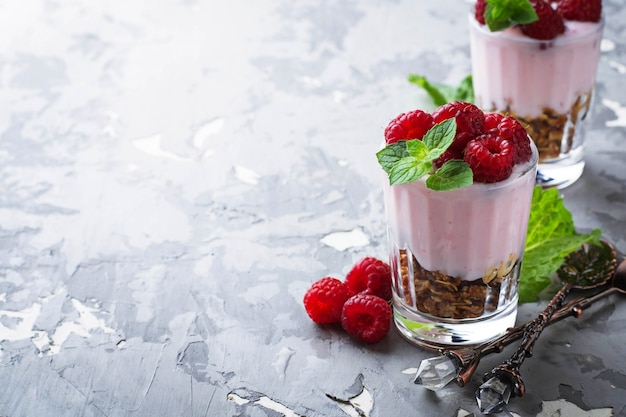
(589, 267)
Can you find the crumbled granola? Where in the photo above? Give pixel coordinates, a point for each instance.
(554, 132)
(444, 296)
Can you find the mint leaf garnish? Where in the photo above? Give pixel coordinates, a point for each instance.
(441, 94)
(391, 154)
(551, 237)
(453, 174)
(437, 92)
(437, 139)
(407, 170)
(502, 14)
(465, 90)
(407, 161)
(417, 149)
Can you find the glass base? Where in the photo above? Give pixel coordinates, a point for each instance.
(559, 174)
(437, 333)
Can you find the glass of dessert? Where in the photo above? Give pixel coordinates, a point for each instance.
(458, 189)
(539, 66)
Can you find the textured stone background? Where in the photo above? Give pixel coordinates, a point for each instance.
(175, 173)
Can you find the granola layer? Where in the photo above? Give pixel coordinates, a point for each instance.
(444, 296)
(554, 132)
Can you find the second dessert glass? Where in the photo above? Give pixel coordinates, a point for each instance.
(546, 85)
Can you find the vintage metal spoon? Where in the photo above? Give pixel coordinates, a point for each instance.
(460, 364)
(587, 268)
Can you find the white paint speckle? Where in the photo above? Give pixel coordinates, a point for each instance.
(202, 135)
(618, 66)
(282, 361)
(333, 197)
(620, 112)
(22, 323)
(345, 240)
(152, 146)
(565, 408)
(83, 326)
(409, 371)
(358, 406)
(607, 45)
(278, 407)
(339, 96)
(237, 399)
(246, 175)
(264, 402)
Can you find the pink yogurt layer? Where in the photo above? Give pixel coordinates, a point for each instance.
(463, 232)
(511, 68)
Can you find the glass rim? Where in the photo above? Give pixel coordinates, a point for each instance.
(560, 40)
(530, 165)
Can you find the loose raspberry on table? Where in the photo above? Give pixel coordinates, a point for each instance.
(549, 25)
(469, 123)
(512, 130)
(324, 300)
(580, 10)
(410, 125)
(366, 317)
(370, 275)
(490, 157)
(479, 11)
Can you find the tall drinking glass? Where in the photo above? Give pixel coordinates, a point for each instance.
(456, 256)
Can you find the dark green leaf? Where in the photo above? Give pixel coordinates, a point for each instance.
(441, 94)
(465, 91)
(434, 91)
(551, 237)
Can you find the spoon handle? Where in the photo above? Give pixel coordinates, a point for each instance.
(509, 369)
(469, 357)
(575, 307)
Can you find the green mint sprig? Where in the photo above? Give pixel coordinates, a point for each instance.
(551, 237)
(408, 161)
(443, 93)
(503, 14)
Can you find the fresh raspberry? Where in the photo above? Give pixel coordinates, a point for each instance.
(490, 157)
(492, 120)
(469, 124)
(469, 118)
(512, 130)
(370, 275)
(549, 25)
(479, 11)
(448, 155)
(366, 317)
(410, 125)
(580, 10)
(324, 300)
